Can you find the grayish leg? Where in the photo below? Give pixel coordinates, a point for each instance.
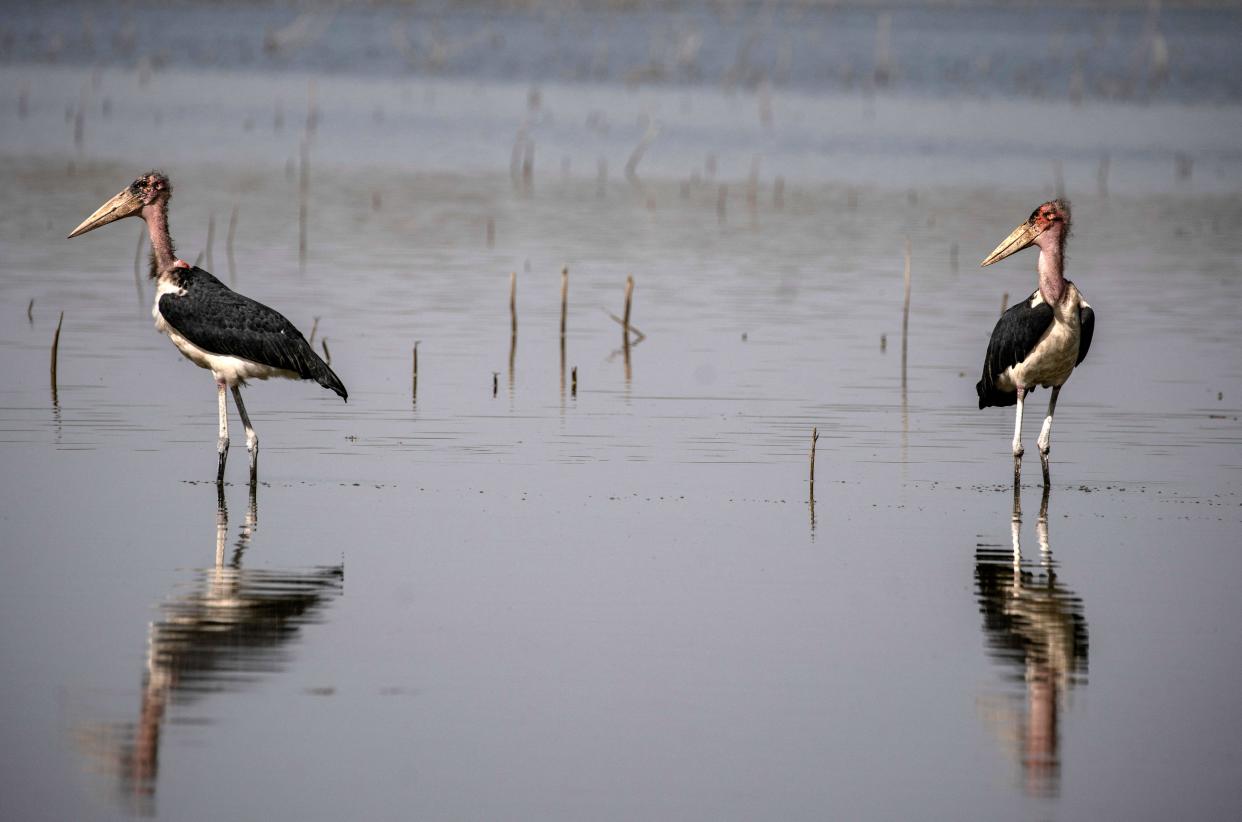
(252, 439)
(222, 445)
(1045, 434)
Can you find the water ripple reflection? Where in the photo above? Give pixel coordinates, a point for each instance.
(1035, 628)
(232, 626)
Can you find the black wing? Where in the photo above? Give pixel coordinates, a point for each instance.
(1015, 334)
(219, 320)
(1086, 320)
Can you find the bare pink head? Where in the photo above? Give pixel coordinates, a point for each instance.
(1047, 227)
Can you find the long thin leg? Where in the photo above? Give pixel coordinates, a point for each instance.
(222, 445)
(252, 439)
(1017, 423)
(1045, 434)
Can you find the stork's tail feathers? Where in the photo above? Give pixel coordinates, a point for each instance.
(989, 394)
(325, 376)
(310, 366)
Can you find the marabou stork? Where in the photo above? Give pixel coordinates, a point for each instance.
(1041, 339)
(216, 328)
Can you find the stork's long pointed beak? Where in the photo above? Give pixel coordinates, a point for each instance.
(122, 205)
(1019, 238)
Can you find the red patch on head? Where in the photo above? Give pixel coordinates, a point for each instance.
(180, 263)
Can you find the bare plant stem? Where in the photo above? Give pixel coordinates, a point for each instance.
(814, 440)
(414, 373)
(55, 352)
(211, 238)
(228, 245)
(905, 317)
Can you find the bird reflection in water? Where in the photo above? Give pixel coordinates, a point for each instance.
(236, 625)
(1035, 627)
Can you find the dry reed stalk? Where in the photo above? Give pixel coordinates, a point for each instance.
(513, 305)
(564, 302)
(211, 238)
(228, 245)
(814, 440)
(303, 197)
(629, 299)
(414, 373)
(55, 352)
(905, 317)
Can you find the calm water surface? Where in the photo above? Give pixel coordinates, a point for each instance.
(617, 603)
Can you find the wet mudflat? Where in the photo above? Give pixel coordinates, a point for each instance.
(618, 603)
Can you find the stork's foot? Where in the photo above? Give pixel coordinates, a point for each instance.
(1044, 464)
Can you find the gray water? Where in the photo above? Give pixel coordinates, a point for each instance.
(619, 602)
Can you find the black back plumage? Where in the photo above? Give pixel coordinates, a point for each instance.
(1016, 333)
(219, 320)
(1086, 318)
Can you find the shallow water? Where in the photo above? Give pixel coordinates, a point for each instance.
(616, 603)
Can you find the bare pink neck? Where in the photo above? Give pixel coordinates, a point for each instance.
(1051, 271)
(163, 257)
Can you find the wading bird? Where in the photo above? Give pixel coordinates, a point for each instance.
(216, 328)
(1041, 339)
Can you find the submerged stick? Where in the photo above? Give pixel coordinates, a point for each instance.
(1004, 301)
(495, 383)
(564, 301)
(414, 373)
(327, 355)
(30, 311)
(228, 245)
(55, 351)
(513, 326)
(211, 237)
(814, 440)
(303, 196)
(629, 298)
(513, 305)
(573, 382)
(905, 317)
(314, 328)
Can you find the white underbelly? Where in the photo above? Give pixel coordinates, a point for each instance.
(225, 368)
(1050, 362)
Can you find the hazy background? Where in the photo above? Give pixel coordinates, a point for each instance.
(506, 598)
